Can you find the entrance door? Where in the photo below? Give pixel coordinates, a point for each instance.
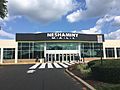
(53, 57)
(50, 57)
(68, 57)
(71, 57)
(64, 55)
(60, 57)
(57, 57)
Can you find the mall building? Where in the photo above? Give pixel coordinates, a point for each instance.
(57, 47)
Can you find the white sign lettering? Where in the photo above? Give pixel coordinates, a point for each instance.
(62, 35)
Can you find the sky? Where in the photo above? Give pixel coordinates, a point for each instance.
(78, 16)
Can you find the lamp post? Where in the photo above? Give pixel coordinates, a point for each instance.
(101, 54)
(100, 41)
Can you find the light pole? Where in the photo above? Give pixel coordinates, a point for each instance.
(101, 54)
(100, 41)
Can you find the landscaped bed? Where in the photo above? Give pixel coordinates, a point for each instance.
(105, 76)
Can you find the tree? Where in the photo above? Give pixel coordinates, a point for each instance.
(3, 9)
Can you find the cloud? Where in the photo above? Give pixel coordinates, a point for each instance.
(113, 35)
(6, 34)
(75, 16)
(95, 8)
(108, 12)
(41, 10)
(97, 29)
(116, 21)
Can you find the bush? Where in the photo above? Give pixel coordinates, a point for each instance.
(84, 70)
(106, 86)
(108, 72)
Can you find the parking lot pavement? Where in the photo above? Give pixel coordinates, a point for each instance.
(15, 78)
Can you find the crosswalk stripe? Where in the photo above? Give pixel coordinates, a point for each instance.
(72, 62)
(34, 66)
(57, 65)
(30, 71)
(63, 65)
(50, 65)
(68, 63)
(42, 65)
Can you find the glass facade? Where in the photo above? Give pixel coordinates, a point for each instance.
(62, 46)
(8, 53)
(118, 52)
(110, 52)
(30, 50)
(91, 49)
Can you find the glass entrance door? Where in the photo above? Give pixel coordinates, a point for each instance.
(53, 57)
(57, 57)
(60, 57)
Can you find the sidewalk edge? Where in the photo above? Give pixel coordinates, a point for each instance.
(80, 80)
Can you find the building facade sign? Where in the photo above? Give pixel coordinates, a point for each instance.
(62, 35)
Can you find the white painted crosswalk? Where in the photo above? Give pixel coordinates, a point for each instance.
(57, 65)
(64, 65)
(50, 65)
(68, 63)
(42, 65)
(39, 66)
(35, 66)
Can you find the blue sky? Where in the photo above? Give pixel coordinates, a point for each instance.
(80, 16)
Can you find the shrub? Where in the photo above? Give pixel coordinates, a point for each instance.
(85, 71)
(108, 72)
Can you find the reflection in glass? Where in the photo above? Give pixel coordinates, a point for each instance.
(30, 50)
(9, 53)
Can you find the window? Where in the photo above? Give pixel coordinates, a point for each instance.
(30, 50)
(118, 52)
(91, 49)
(9, 53)
(62, 46)
(110, 52)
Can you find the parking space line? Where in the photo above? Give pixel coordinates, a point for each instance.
(34, 66)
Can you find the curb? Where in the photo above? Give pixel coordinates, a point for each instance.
(16, 63)
(80, 80)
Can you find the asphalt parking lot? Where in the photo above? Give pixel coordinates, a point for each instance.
(15, 77)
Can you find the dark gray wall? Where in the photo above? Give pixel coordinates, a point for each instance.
(43, 37)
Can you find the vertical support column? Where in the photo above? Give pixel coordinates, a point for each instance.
(45, 52)
(62, 57)
(79, 48)
(55, 57)
(1, 61)
(16, 53)
(104, 52)
(70, 57)
(66, 58)
(115, 52)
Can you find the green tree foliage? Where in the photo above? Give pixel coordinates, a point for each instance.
(3, 9)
